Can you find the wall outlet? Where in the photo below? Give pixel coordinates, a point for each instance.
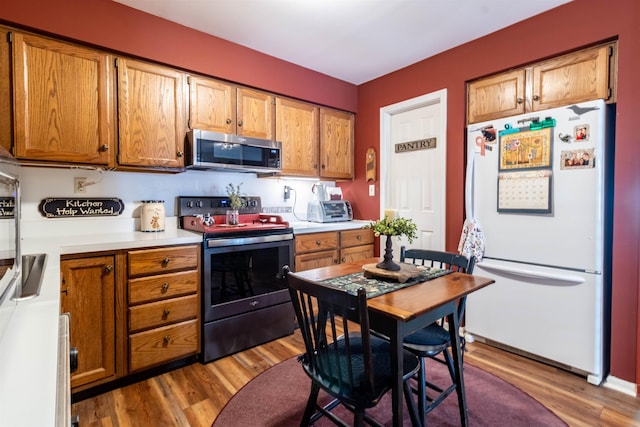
(287, 192)
(79, 185)
(372, 189)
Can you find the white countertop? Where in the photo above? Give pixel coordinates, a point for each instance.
(28, 351)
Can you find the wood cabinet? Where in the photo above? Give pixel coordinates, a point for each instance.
(223, 107)
(163, 305)
(576, 77)
(316, 142)
(297, 128)
(315, 250)
(88, 293)
(63, 102)
(151, 115)
(6, 117)
(336, 144)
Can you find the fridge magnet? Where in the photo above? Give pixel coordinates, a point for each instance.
(485, 141)
(578, 159)
(581, 133)
(526, 149)
(525, 191)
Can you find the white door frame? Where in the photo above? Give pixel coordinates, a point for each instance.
(438, 97)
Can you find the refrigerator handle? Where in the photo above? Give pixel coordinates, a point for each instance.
(521, 272)
(468, 186)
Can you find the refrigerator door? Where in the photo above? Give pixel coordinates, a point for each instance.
(570, 235)
(550, 313)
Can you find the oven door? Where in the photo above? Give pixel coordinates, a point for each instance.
(241, 278)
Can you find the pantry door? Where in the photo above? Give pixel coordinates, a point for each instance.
(413, 177)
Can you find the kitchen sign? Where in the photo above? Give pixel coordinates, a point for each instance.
(420, 144)
(80, 207)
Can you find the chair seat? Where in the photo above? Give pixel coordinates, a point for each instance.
(429, 340)
(334, 378)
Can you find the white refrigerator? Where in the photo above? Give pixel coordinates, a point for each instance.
(539, 187)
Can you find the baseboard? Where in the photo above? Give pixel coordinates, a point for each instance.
(620, 385)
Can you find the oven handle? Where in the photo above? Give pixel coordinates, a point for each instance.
(236, 241)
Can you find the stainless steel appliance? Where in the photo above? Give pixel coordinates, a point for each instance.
(329, 211)
(245, 301)
(220, 151)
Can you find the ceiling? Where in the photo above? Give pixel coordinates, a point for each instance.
(352, 40)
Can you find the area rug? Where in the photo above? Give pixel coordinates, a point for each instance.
(277, 397)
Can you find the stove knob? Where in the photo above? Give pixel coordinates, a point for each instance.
(199, 203)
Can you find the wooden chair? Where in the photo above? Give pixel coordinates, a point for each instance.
(351, 366)
(434, 339)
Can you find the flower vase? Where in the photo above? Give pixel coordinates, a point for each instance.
(387, 263)
(233, 217)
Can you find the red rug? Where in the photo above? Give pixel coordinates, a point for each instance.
(277, 397)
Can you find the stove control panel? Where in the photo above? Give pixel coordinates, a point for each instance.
(191, 206)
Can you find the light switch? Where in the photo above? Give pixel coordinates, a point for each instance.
(372, 189)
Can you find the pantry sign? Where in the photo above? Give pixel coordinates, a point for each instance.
(80, 207)
(421, 144)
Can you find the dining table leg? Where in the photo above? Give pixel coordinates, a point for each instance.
(457, 361)
(397, 361)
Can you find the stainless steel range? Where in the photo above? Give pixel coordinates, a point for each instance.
(245, 301)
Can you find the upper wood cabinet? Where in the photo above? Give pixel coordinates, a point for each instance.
(336, 144)
(222, 107)
(6, 117)
(63, 102)
(151, 115)
(297, 128)
(576, 77)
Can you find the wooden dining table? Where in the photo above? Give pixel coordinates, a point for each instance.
(401, 312)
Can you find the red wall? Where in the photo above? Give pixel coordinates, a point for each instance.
(579, 23)
(110, 25)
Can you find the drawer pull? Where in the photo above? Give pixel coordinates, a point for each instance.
(165, 261)
(166, 339)
(359, 237)
(165, 288)
(108, 268)
(344, 260)
(165, 313)
(318, 242)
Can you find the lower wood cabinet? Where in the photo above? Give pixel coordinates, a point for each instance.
(131, 310)
(315, 250)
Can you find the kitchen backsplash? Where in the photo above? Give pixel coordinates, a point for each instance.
(133, 187)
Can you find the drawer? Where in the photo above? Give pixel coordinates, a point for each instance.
(153, 288)
(358, 237)
(163, 260)
(161, 345)
(163, 312)
(316, 259)
(316, 242)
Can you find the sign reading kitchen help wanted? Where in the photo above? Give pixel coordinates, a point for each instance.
(74, 207)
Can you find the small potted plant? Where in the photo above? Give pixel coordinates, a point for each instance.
(236, 202)
(392, 227)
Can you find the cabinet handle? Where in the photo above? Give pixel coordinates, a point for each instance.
(228, 121)
(166, 339)
(344, 259)
(165, 287)
(322, 167)
(536, 97)
(359, 237)
(318, 242)
(240, 123)
(315, 166)
(104, 147)
(165, 313)
(180, 154)
(108, 268)
(165, 261)
(520, 100)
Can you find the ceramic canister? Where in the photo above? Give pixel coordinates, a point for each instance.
(152, 216)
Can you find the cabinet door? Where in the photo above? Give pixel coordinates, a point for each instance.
(572, 78)
(336, 144)
(212, 105)
(63, 102)
(356, 253)
(498, 96)
(151, 115)
(255, 114)
(6, 124)
(88, 294)
(316, 260)
(297, 130)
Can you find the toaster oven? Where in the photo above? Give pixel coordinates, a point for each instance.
(329, 211)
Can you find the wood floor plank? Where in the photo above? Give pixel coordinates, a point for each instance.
(195, 394)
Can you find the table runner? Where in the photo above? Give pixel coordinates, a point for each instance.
(375, 287)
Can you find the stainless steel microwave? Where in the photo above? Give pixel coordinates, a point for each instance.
(232, 153)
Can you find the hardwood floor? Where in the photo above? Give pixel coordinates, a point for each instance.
(195, 394)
